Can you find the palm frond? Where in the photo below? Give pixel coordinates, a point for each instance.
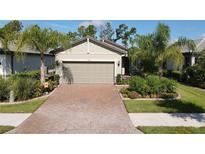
(185, 42)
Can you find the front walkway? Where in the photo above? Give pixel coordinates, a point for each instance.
(168, 119)
(13, 119)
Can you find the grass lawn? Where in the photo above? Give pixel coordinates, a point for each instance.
(4, 129)
(193, 101)
(171, 130)
(28, 107)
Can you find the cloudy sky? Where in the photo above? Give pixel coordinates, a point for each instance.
(193, 29)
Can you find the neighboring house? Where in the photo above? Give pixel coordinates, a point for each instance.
(91, 61)
(189, 56)
(10, 64)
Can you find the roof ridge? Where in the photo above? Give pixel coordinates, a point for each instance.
(115, 44)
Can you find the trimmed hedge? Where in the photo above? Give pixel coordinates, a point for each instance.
(28, 74)
(176, 75)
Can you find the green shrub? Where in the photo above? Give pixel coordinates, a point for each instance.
(166, 73)
(125, 92)
(4, 88)
(119, 79)
(56, 78)
(168, 85)
(194, 75)
(154, 83)
(26, 88)
(28, 74)
(139, 85)
(177, 75)
(51, 85)
(53, 77)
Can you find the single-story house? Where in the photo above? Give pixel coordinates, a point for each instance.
(10, 64)
(190, 57)
(91, 61)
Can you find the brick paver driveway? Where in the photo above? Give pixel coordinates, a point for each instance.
(80, 108)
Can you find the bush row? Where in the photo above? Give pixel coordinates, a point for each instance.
(192, 75)
(26, 85)
(28, 74)
(151, 85)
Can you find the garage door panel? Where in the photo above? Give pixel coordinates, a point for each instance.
(92, 72)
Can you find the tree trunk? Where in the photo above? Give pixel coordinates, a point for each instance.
(42, 68)
(161, 71)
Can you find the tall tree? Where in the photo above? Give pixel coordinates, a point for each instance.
(155, 49)
(124, 34)
(83, 31)
(9, 32)
(106, 31)
(42, 40)
(72, 36)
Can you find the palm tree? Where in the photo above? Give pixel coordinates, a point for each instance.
(155, 49)
(42, 40)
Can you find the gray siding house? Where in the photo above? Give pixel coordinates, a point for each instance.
(190, 57)
(10, 64)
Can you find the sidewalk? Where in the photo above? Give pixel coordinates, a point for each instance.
(13, 119)
(168, 119)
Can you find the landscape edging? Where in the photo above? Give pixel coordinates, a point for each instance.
(152, 99)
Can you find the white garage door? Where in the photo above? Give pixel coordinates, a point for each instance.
(88, 72)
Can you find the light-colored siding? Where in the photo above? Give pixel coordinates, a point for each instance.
(5, 67)
(90, 52)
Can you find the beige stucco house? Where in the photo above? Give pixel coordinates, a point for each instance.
(91, 61)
